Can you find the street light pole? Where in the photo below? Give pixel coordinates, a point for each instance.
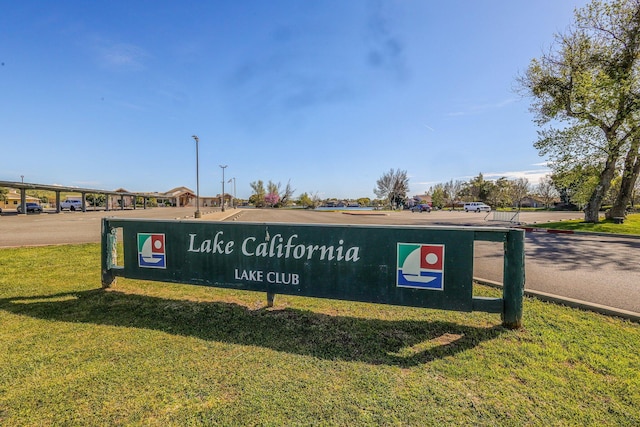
(233, 201)
(223, 168)
(197, 214)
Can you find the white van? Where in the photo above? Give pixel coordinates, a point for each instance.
(476, 207)
(71, 204)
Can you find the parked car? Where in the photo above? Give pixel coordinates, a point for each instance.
(72, 205)
(31, 207)
(476, 207)
(422, 207)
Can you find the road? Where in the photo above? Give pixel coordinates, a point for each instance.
(595, 269)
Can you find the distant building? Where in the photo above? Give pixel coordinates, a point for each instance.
(531, 202)
(13, 200)
(179, 196)
(423, 199)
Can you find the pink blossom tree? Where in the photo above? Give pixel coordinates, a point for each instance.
(272, 199)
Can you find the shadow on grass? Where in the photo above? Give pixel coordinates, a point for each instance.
(400, 343)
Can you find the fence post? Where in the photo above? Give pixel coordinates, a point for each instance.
(514, 278)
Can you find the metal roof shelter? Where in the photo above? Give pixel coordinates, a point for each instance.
(24, 186)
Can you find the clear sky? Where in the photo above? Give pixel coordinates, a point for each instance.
(326, 94)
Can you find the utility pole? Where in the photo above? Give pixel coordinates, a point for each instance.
(233, 204)
(223, 168)
(197, 214)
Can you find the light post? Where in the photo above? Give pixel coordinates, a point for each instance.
(223, 168)
(233, 204)
(197, 214)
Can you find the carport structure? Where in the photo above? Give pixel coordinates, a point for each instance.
(24, 186)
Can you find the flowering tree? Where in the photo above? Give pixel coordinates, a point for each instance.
(272, 199)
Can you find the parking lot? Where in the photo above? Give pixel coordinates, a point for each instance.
(52, 228)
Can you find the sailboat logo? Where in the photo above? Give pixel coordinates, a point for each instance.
(420, 266)
(151, 253)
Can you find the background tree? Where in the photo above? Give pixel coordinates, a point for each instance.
(96, 199)
(438, 196)
(519, 189)
(273, 193)
(590, 81)
(315, 198)
(305, 200)
(476, 189)
(393, 186)
(452, 190)
(287, 195)
(271, 199)
(364, 201)
(259, 193)
(499, 193)
(546, 191)
(576, 185)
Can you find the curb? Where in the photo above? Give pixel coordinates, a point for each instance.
(366, 213)
(581, 233)
(546, 230)
(233, 217)
(570, 302)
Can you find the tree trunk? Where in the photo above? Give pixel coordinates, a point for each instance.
(592, 210)
(629, 177)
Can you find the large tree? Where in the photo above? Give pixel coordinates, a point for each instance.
(589, 82)
(393, 187)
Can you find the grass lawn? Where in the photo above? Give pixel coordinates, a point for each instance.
(631, 225)
(153, 354)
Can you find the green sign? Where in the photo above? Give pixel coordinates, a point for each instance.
(402, 265)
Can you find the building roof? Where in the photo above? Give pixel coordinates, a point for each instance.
(14, 195)
(178, 191)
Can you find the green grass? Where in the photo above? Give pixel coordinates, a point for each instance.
(153, 354)
(631, 225)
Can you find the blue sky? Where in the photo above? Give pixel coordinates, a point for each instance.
(326, 94)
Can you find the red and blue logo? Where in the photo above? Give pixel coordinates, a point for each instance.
(151, 250)
(420, 266)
